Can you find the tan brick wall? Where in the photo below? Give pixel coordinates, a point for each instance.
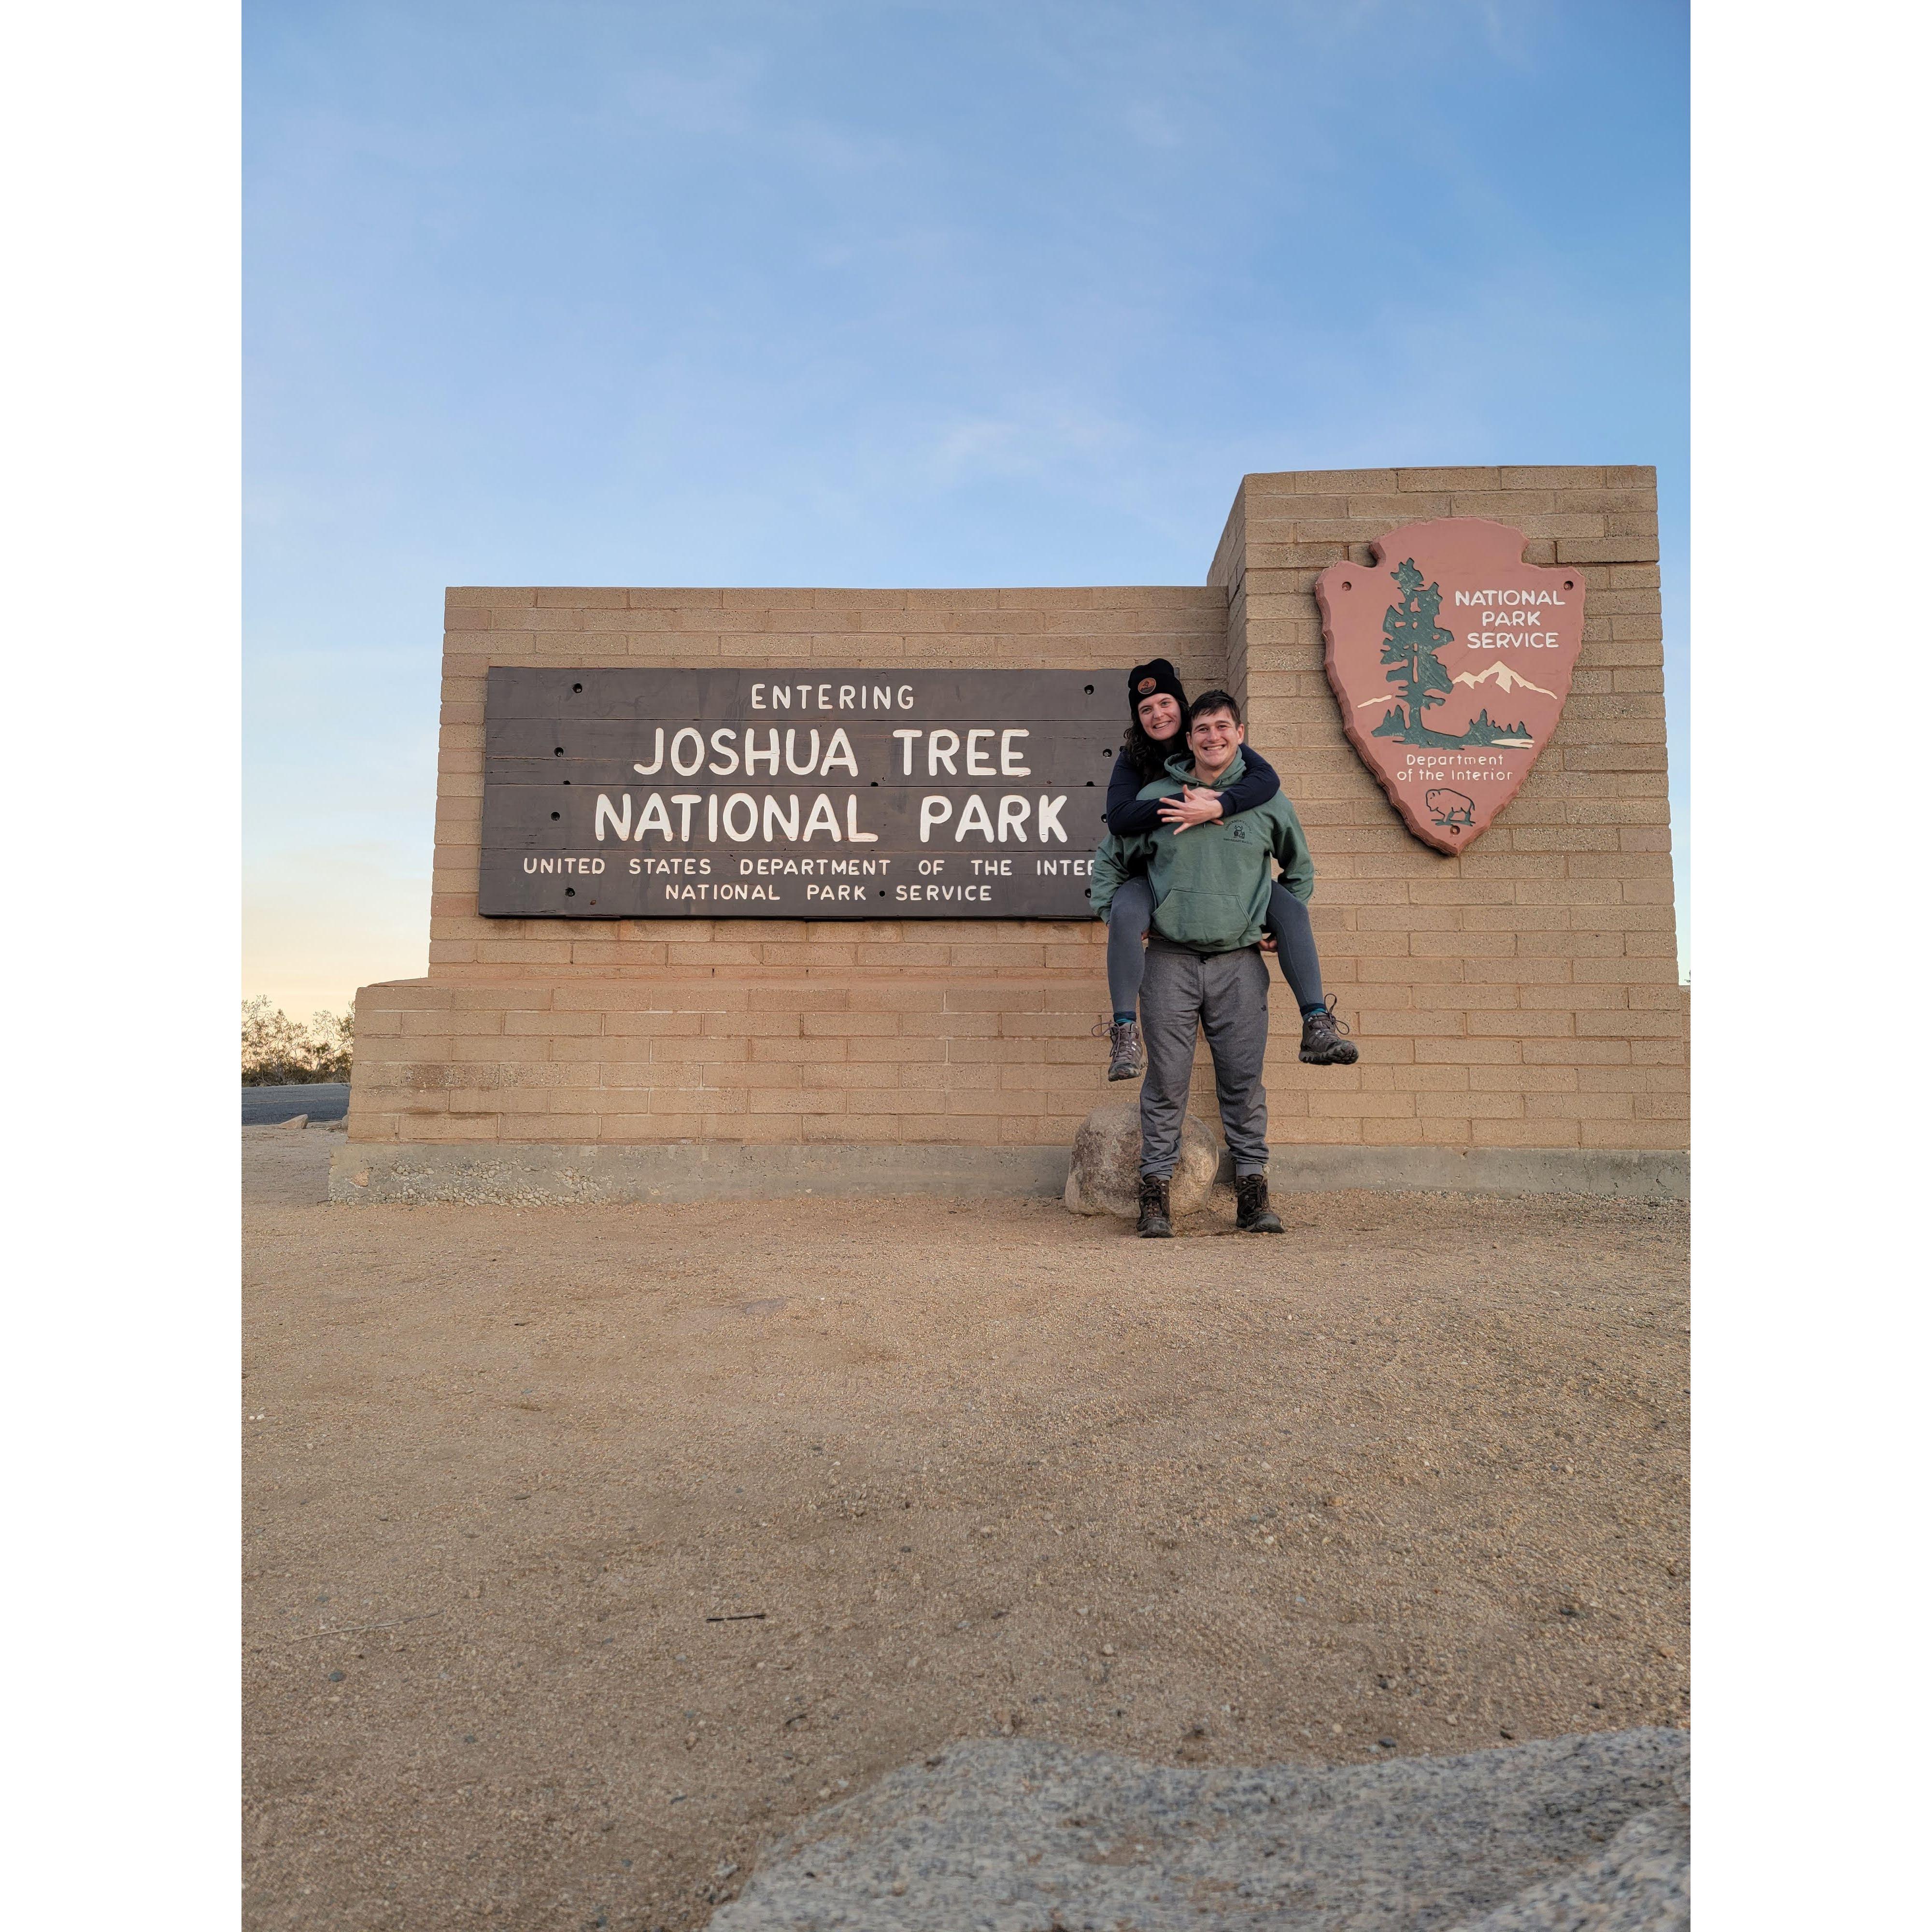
(1042, 630)
(999, 1059)
(1524, 994)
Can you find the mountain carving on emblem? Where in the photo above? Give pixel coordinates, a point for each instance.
(1506, 680)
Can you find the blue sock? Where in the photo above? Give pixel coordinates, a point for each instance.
(1121, 1019)
(1309, 1013)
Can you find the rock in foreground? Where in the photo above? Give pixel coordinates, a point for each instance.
(991, 1836)
(1106, 1176)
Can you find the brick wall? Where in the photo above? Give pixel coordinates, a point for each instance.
(1524, 994)
(968, 1031)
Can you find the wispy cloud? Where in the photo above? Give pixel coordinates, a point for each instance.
(1037, 437)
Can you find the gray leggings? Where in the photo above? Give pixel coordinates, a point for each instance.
(1132, 912)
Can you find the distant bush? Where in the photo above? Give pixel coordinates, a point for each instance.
(278, 1052)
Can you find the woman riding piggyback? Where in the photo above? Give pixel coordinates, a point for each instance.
(1156, 731)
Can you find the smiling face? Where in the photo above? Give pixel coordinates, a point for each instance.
(1214, 738)
(1160, 715)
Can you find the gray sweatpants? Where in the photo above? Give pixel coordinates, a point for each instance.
(1226, 994)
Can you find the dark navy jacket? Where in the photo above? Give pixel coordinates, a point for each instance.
(1128, 814)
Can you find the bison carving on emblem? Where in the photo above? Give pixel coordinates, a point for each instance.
(1452, 809)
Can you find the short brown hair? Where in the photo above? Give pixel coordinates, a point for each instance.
(1213, 700)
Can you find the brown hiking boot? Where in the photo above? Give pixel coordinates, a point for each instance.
(1252, 1214)
(1126, 1055)
(1321, 1041)
(1154, 1224)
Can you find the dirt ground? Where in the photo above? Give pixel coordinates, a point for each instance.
(587, 1547)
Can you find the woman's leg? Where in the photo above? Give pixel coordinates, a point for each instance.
(1321, 1041)
(1128, 919)
(1295, 947)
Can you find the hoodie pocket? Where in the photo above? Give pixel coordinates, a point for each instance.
(1207, 918)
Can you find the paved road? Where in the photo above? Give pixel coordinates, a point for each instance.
(263, 1106)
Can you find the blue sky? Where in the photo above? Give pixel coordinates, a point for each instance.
(879, 293)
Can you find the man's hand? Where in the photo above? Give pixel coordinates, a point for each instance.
(1266, 943)
(1195, 806)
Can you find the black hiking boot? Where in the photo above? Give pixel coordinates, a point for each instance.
(1321, 1041)
(1154, 1224)
(1126, 1055)
(1252, 1214)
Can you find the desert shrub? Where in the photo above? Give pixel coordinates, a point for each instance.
(278, 1052)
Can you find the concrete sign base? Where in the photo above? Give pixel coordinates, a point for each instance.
(538, 1174)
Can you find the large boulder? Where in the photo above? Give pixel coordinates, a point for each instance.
(1560, 1835)
(1106, 1176)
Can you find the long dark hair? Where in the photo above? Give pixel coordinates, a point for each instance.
(1149, 756)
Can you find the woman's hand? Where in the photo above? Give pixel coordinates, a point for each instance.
(1195, 806)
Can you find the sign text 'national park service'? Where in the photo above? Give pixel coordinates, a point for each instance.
(1451, 658)
(617, 793)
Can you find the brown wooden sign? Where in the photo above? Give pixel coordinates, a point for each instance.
(1450, 657)
(804, 794)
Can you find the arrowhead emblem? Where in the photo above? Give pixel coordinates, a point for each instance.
(1451, 658)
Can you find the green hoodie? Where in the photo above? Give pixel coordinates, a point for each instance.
(1211, 885)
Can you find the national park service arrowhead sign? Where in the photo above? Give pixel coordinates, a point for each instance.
(1451, 658)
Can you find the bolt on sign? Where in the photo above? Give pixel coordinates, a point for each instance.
(834, 794)
(1451, 658)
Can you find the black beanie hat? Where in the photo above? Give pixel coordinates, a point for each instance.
(1144, 680)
